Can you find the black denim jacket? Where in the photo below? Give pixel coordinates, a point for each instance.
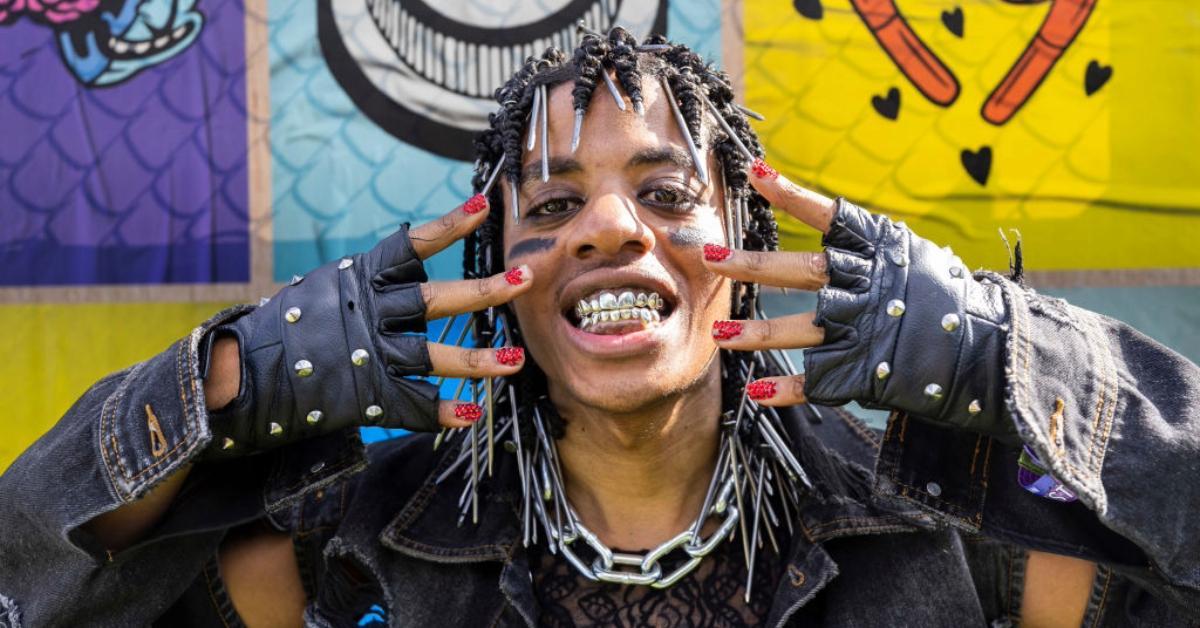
(932, 536)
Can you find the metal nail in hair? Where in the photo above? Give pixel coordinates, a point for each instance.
(487, 187)
(652, 47)
(612, 89)
(752, 113)
(531, 136)
(577, 128)
(545, 135)
(701, 170)
(716, 113)
(514, 198)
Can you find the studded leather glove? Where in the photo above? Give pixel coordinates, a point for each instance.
(907, 327)
(331, 351)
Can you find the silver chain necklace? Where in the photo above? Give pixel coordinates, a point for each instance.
(755, 472)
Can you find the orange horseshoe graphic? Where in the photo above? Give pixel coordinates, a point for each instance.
(923, 68)
(1064, 21)
(936, 82)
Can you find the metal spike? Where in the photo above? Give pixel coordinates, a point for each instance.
(582, 27)
(575, 132)
(737, 492)
(639, 107)
(716, 113)
(531, 136)
(514, 198)
(612, 89)
(491, 425)
(521, 471)
(754, 541)
(487, 187)
(474, 466)
(545, 135)
(697, 160)
(652, 47)
(750, 112)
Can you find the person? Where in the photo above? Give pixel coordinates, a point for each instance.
(653, 458)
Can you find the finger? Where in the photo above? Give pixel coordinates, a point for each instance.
(447, 298)
(452, 361)
(784, 269)
(787, 332)
(813, 209)
(440, 233)
(777, 391)
(454, 414)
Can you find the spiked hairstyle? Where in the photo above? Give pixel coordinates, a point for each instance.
(750, 223)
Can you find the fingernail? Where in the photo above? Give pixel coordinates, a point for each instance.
(761, 389)
(716, 253)
(510, 356)
(763, 171)
(468, 412)
(475, 204)
(724, 330)
(515, 276)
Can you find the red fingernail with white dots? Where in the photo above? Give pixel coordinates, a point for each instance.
(724, 330)
(510, 356)
(475, 204)
(716, 253)
(468, 412)
(763, 171)
(761, 389)
(515, 276)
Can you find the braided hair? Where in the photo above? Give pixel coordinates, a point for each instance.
(688, 77)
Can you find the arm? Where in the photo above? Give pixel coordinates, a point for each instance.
(977, 367)
(120, 528)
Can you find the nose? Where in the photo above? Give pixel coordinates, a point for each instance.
(610, 226)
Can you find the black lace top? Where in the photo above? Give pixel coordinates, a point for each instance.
(712, 595)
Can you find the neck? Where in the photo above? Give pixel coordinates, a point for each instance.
(637, 479)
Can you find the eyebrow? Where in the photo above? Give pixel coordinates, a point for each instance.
(673, 155)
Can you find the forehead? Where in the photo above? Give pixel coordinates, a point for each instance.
(609, 136)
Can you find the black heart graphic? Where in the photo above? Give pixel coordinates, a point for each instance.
(810, 9)
(978, 163)
(1096, 76)
(954, 21)
(887, 107)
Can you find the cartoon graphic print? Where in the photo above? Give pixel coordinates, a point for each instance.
(106, 42)
(933, 79)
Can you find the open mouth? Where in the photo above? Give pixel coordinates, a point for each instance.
(616, 311)
(122, 49)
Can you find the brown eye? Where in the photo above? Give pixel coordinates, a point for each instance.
(668, 197)
(554, 207)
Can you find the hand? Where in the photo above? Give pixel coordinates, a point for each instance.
(333, 349)
(900, 323)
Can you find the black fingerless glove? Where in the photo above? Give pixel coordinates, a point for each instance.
(908, 328)
(331, 351)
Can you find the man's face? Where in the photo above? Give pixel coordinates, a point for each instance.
(622, 216)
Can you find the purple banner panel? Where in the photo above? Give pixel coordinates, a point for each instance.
(122, 142)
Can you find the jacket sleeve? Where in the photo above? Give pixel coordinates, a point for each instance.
(124, 436)
(1114, 416)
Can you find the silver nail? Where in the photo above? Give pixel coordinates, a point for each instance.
(304, 368)
(934, 392)
(360, 357)
(725, 126)
(950, 322)
(701, 169)
(487, 187)
(531, 136)
(895, 307)
(577, 129)
(975, 407)
(612, 89)
(345, 263)
(545, 136)
(314, 417)
(292, 314)
(275, 429)
(750, 112)
(374, 411)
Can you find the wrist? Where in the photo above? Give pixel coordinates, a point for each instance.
(224, 373)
